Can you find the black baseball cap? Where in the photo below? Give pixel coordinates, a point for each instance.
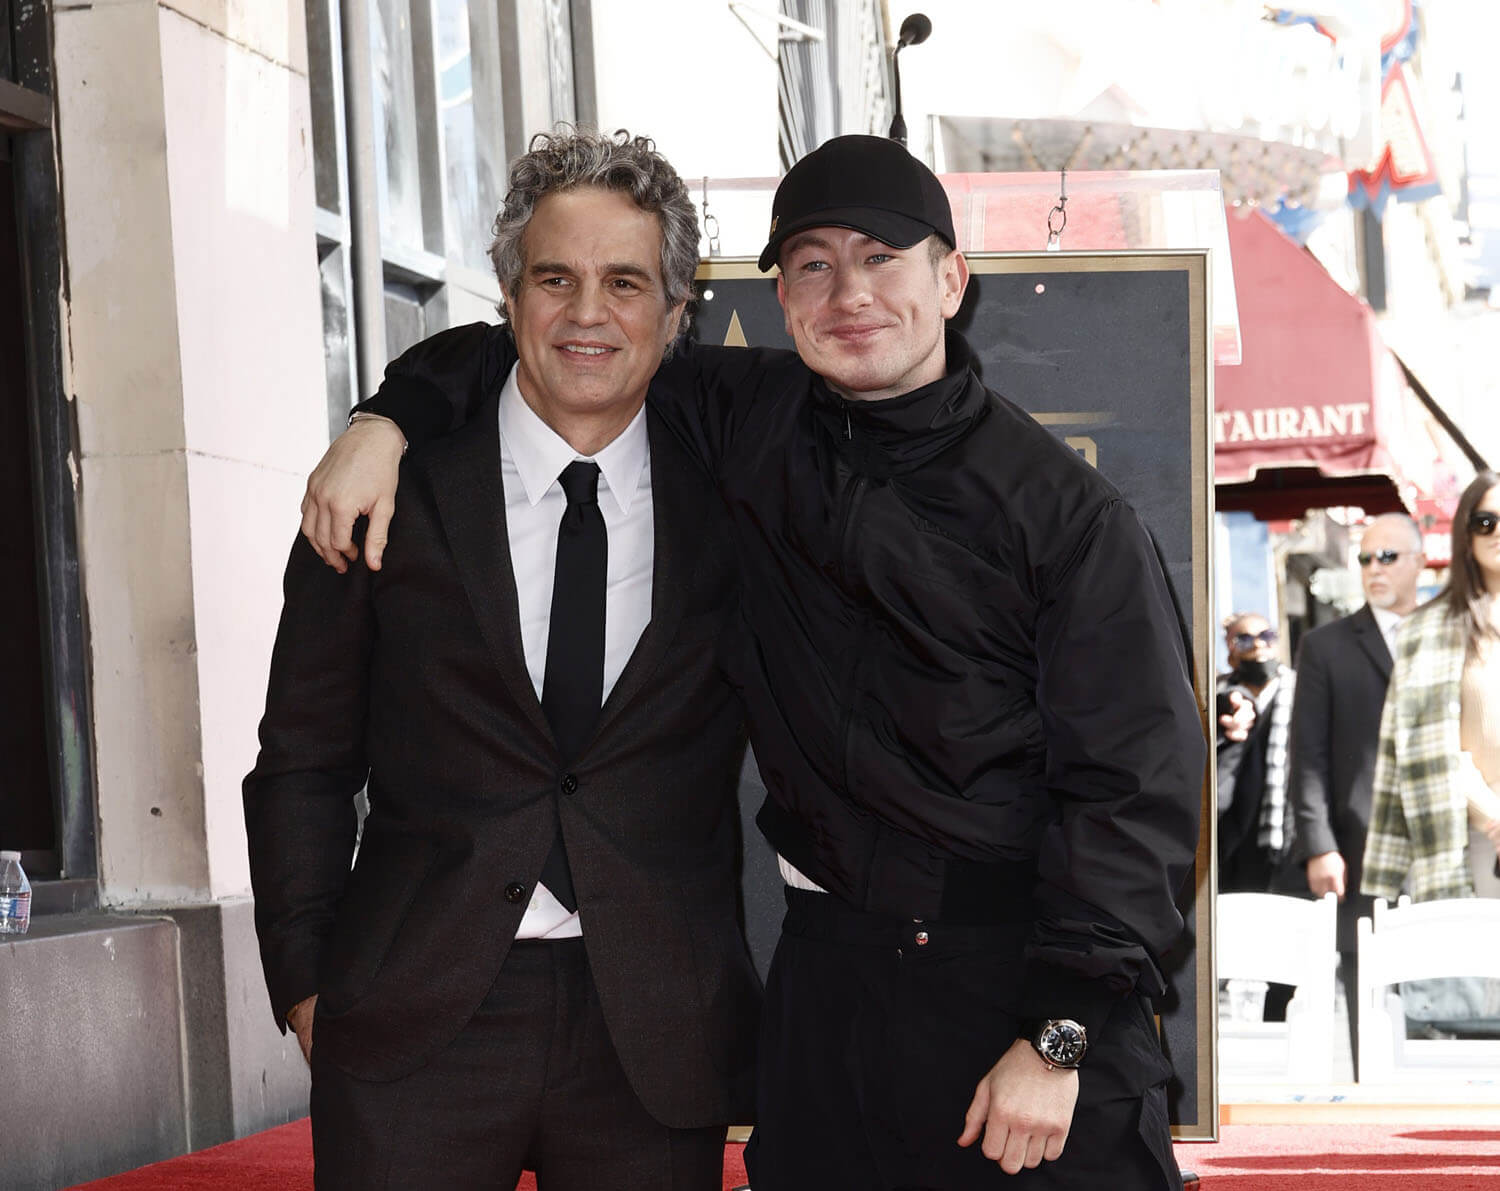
(867, 183)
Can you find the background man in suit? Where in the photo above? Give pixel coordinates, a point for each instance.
(1342, 672)
(536, 960)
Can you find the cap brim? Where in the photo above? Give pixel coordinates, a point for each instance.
(899, 231)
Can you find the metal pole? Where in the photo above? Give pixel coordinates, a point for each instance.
(1441, 416)
(364, 197)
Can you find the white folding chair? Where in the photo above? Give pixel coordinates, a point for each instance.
(1424, 941)
(1282, 940)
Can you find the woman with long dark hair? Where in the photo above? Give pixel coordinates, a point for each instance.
(1439, 756)
(1434, 823)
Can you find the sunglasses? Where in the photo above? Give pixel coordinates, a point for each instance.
(1483, 522)
(1383, 557)
(1244, 641)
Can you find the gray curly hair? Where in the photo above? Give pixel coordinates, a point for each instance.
(568, 158)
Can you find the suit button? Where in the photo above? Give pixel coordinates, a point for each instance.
(569, 783)
(514, 892)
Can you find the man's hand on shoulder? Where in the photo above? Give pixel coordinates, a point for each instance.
(357, 475)
(300, 1018)
(1023, 1109)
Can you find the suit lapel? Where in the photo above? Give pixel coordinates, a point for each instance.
(464, 473)
(1372, 640)
(679, 515)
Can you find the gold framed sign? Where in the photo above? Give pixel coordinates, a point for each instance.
(1112, 352)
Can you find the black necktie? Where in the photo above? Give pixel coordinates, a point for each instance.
(573, 686)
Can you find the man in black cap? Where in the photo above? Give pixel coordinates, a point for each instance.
(981, 848)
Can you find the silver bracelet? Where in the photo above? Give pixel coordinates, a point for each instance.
(365, 415)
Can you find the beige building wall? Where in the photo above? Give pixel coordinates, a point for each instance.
(195, 358)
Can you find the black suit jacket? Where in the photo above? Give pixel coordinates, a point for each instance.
(1343, 670)
(415, 677)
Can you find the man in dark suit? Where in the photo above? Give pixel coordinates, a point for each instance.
(1343, 669)
(535, 961)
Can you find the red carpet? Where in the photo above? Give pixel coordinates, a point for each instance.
(1247, 1158)
(1338, 1157)
(279, 1160)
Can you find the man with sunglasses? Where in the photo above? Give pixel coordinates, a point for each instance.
(1343, 670)
(1252, 771)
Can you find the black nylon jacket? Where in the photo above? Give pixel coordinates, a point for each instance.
(957, 651)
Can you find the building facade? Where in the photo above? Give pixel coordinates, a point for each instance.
(218, 219)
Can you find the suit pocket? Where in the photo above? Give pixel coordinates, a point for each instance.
(388, 875)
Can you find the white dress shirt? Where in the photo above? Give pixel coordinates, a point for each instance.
(795, 877)
(532, 456)
(1387, 620)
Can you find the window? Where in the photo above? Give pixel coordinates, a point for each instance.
(457, 88)
(47, 799)
(26, 805)
(468, 81)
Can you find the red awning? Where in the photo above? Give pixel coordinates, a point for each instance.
(1319, 413)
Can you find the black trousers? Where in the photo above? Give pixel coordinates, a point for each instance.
(532, 1082)
(871, 1047)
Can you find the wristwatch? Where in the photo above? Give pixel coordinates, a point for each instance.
(1061, 1042)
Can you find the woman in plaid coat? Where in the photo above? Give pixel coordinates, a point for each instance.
(1434, 729)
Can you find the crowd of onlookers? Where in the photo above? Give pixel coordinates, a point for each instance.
(1372, 768)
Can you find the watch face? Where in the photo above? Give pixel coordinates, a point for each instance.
(1061, 1043)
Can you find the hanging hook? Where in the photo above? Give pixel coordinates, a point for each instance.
(1057, 218)
(710, 223)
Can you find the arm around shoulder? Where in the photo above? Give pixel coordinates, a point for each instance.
(707, 394)
(431, 389)
(437, 385)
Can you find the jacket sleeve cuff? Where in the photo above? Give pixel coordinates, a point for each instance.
(285, 1005)
(1313, 841)
(291, 977)
(1053, 992)
(416, 406)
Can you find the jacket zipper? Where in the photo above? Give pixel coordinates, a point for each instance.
(851, 681)
(852, 493)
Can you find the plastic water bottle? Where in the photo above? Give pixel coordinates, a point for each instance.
(15, 895)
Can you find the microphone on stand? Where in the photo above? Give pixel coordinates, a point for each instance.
(914, 31)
